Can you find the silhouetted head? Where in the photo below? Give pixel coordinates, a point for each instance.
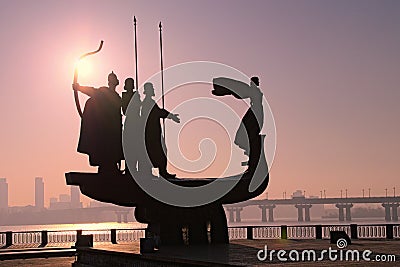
(129, 84)
(255, 80)
(148, 89)
(112, 80)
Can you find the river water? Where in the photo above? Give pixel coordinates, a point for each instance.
(80, 226)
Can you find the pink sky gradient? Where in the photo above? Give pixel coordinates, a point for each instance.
(330, 71)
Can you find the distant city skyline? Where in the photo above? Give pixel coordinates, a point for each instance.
(73, 199)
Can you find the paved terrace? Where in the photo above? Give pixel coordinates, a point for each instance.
(237, 253)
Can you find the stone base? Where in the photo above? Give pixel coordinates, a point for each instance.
(185, 226)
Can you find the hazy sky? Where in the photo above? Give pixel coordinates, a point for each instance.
(330, 71)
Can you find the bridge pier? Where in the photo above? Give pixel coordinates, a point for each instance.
(238, 210)
(122, 216)
(119, 220)
(394, 212)
(299, 212)
(388, 217)
(342, 207)
(393, 215)
(234, 212)
(341, 213)
(263, 213)
(264, 209)
(271, 212)
(307, 212)
(306, 208)
(348, 212)
(231, 216)
(125, 214)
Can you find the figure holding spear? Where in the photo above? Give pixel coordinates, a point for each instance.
(151, 114)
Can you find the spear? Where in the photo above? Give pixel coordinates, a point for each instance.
(162, 77)
(136, 58)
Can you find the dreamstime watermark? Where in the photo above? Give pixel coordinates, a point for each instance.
(204, 107)
(311, 255)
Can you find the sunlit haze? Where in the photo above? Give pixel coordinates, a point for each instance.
(330, 71)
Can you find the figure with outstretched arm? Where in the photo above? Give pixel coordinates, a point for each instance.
(151, 114)
(101, 126)
(252, 122)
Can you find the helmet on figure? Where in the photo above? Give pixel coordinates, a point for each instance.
(255, 80)
(112, 79)
(148, 89)
(129, 84)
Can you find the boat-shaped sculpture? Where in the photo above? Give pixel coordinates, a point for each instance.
(174, 224)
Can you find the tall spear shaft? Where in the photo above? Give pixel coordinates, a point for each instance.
(162, 77)
(136, 58)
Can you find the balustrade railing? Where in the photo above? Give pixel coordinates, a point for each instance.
(326, 229)
(301, 232)
(99, 236)
(2, 239)
(371, 231)
(396, 231)
(24, 238)
(61, 237)
(379, 231)
(267, 232)
(237, 232)
(68, 238)
(125, 235)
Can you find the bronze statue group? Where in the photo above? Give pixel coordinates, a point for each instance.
(101, 125)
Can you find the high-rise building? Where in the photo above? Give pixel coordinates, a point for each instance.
(75, 197)
(39, 193)
(3, 193)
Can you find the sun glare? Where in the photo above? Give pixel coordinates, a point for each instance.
(84, 67)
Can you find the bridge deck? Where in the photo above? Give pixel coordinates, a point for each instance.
(294, 201)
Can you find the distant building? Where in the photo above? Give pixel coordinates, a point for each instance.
(297, 194)
(75, 197)
(66, 201)
(64, 198)
(62, 203)
(39, 193)
(3, 193)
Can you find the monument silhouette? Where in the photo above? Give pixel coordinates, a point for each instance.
(173, 224)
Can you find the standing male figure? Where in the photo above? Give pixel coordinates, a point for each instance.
(101, 126)
(127, 97)
(151, 114)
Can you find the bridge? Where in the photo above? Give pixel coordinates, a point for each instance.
(304, 205)
(121, 213)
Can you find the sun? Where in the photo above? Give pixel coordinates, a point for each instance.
(84, 67)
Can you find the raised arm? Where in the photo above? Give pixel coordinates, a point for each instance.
(87, 90)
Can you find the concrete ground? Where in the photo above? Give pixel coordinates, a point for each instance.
(244, 253)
